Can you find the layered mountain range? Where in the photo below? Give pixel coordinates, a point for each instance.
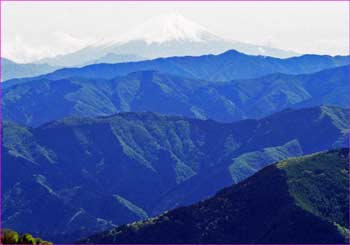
(226, 66)
(97, 173)
(30, 102)
(130, 138)
(289, 202)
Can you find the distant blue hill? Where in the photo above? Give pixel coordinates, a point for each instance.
(11, 69)
(43, 100)
(223, 67)
(227, 66)
(111, 58)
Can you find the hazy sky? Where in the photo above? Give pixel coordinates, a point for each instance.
(33, 30)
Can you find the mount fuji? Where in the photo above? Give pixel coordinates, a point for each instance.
(161, 36)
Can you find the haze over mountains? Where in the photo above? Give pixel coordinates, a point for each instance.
(12, 69)
(163, 36)
(162, 162)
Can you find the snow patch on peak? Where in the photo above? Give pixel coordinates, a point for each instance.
(170, 27)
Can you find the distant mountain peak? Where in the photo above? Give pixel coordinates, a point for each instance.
(163, 36)
(167, 28)
(232, 52)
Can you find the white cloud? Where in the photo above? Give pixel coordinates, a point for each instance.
(69, 43)
(23, 51)
(20, 51)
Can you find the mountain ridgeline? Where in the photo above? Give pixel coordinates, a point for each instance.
(227, 66)
(31, 103)
(101, 172)
(89, 149)
(303, 200)
(12, 70)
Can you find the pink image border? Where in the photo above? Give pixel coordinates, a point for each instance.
(1, 23)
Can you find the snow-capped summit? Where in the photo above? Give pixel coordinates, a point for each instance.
(161, 36)
(161, 29)
(170, 27)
